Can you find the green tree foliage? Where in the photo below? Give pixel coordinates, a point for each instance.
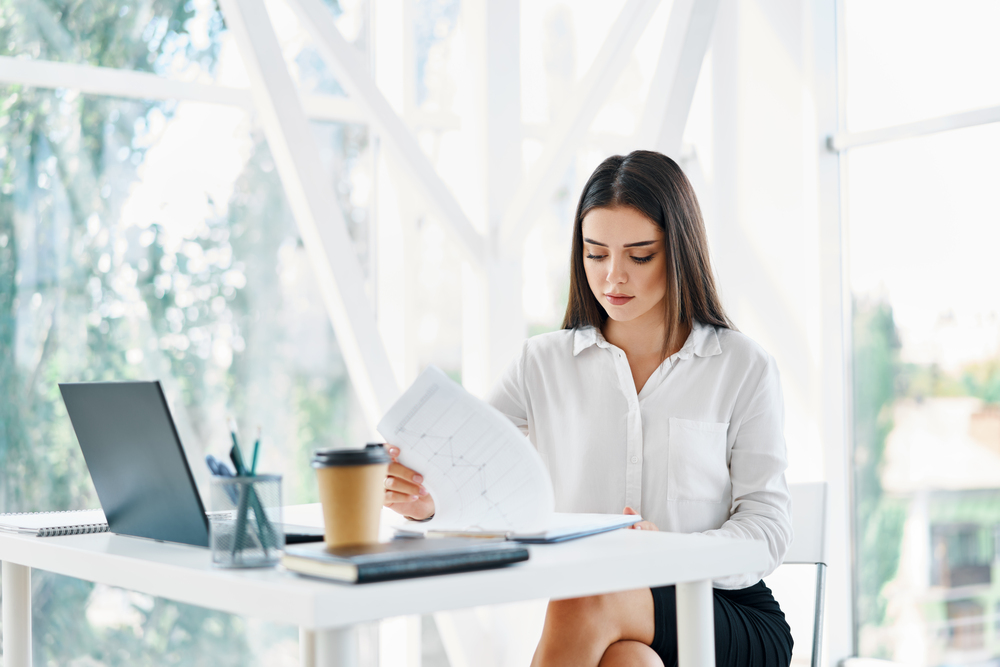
(982, 380)
(85, 297)
(66, 161)
(878, 520)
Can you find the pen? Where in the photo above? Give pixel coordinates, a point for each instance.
(256, 448)
(235, 454)
(264, 529)
(247, 495)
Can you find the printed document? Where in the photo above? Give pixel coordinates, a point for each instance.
(482, 472)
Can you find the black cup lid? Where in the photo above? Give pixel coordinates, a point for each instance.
(371, 454)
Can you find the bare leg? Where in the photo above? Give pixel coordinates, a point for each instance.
(628, 653)
(578, 631)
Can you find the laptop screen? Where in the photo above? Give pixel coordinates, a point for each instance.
(136, 460)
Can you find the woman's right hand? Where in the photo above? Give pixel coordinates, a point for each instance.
(403, 491)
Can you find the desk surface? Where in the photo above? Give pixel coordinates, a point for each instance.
(614, 561)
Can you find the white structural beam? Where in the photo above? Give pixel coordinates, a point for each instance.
(493, 328)
(842, 141)
(835, 345)
(115, 82)
(395, 221)
(333, 109)
(352, 73)
(317, 211)
(573, 122)
(672, 89)
(92, 80)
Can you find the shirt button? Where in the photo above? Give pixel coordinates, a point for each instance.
(635, 459)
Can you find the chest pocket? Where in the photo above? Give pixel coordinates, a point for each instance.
(696, 464)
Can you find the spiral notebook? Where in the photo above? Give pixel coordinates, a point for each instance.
(51, 524)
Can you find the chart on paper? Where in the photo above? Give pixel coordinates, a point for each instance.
(479, 468)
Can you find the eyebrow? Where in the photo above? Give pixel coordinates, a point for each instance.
(638, 244)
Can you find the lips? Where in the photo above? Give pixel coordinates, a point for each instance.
(618, 299)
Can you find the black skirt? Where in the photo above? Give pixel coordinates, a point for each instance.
(750, 628)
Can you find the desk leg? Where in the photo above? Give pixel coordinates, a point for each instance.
(328, 648)
(16, 615)
(695, 624)
(307, 648)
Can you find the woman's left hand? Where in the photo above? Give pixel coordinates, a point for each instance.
(642, 525)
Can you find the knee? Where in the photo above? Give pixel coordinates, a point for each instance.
(585, 616)
(630, 654)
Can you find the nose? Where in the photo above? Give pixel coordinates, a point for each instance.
(616, 271)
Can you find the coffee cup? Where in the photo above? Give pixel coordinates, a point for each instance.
(351, 490)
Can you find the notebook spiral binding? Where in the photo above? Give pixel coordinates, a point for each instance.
(3, 514)
(82, 529)
(57, 531)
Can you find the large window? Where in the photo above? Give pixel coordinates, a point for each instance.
(924, 224)
(146, 239)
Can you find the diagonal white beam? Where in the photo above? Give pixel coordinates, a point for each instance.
(352, 73)
(672, 89)
(845, 140)
(572, 124)
(317, 212)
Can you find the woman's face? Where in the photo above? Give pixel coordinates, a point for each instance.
(623, 253)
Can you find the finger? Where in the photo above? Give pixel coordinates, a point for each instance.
(402, 486)
(629, 511)
(402, 472)
(397, 497)
(393, 452)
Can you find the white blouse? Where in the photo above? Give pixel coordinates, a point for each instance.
(699, 449)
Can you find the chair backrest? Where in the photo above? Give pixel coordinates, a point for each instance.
(808, 523)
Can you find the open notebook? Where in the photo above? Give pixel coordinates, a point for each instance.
(562, 527)
(51, 524)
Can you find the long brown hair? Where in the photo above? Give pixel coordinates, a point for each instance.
(654, 185)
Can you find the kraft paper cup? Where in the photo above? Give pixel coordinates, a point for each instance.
(351, 490)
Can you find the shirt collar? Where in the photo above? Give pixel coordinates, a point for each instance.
(703, 341)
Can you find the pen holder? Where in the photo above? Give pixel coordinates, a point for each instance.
(245, 522)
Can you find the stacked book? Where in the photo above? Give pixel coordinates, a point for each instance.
(400, 558)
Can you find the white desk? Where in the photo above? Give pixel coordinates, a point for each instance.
(620, 560)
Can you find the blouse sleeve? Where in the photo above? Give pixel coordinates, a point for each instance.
(761, 508)
(509, 395)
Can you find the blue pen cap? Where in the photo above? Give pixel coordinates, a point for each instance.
(372, 453)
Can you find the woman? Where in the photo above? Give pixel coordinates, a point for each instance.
(648, 399)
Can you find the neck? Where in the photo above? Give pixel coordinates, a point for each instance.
(644, 337)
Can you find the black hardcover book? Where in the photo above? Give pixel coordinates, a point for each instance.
(400, 559)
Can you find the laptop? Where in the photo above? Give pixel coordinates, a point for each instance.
(136, 460)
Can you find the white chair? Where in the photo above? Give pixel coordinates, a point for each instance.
(808, 547)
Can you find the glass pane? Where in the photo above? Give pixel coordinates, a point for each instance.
(145, 240)
(434, 37)
(910, 60)
(924, 228)
(303, 58)
(169, 37)
(559, 43)
(177, 39)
